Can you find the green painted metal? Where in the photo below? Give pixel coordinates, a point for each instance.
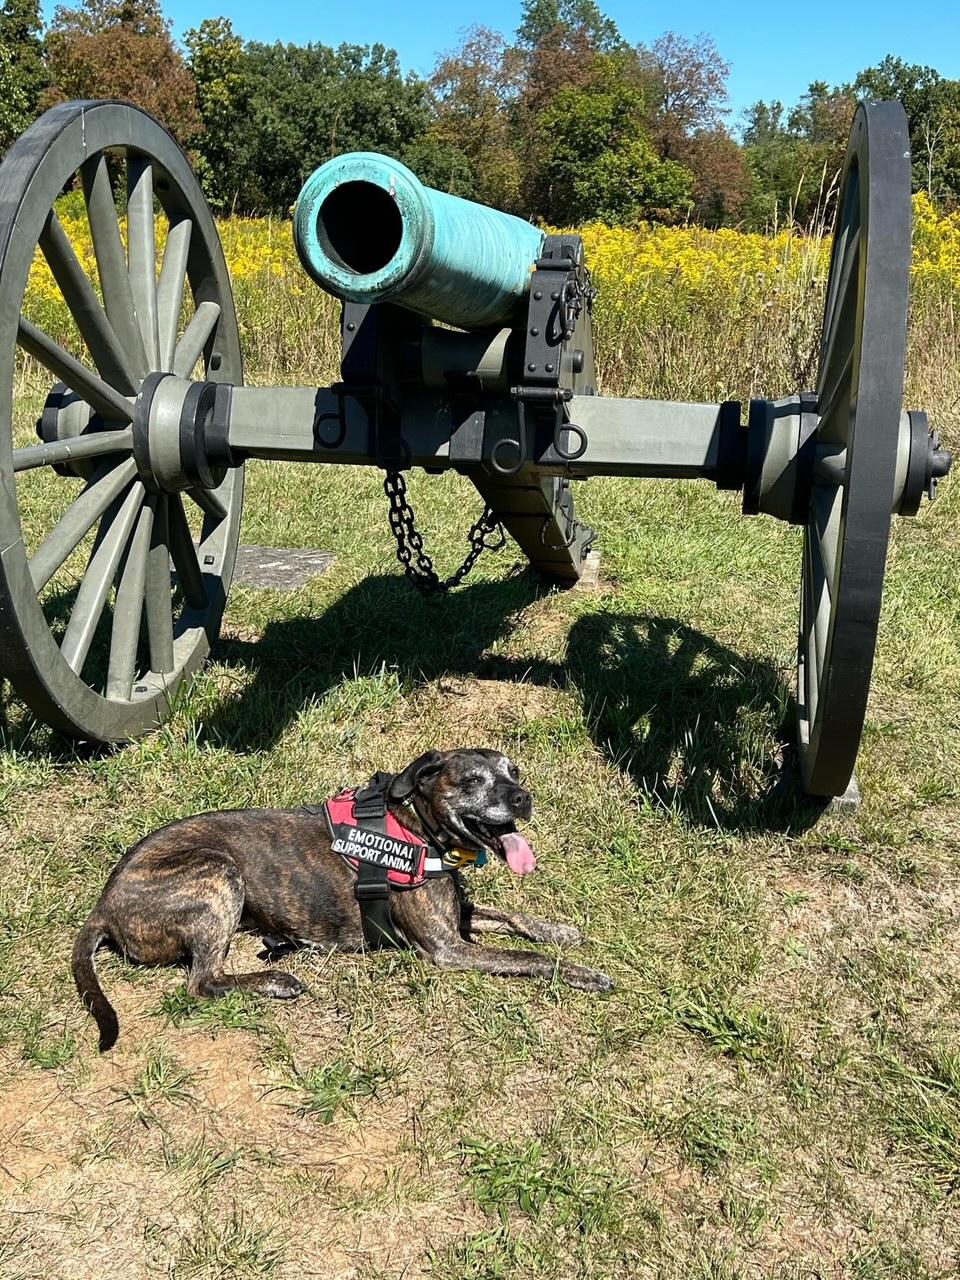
(367, 230)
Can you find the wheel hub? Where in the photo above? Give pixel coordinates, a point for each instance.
(180, 433)
(785, 456)
(66, 416)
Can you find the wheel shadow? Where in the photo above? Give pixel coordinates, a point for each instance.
(702, 730)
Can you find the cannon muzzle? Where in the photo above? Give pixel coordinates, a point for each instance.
(368, 230)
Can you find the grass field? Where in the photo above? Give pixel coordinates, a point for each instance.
(774, 1088)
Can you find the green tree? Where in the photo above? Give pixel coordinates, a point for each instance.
(470, 145)
(913, 85)
(306, 103)
(223, 150)
(795, 157)
(123, 50)
(686, 89)
(597, 162)
(541, 19)
(22, 72)
(684, 83)
(722, 180)
(932, 105)
(823, 117)
(439, 164)
(558, 43)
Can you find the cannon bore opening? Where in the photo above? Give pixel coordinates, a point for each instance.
(360, 227)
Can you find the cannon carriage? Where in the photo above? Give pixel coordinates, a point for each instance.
(466, 344)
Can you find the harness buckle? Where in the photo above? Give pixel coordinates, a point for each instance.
(457, 859)
(366, 890)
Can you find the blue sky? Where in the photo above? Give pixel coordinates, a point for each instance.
(774, 49)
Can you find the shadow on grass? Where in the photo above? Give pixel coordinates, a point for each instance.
(380, 622)
(701, 729)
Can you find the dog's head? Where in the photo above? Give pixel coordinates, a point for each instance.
(473, 797)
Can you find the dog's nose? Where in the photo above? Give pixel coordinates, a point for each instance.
(521, 802)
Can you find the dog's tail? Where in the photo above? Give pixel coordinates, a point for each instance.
(85, 976)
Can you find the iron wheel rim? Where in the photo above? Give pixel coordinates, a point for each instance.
(859, 396)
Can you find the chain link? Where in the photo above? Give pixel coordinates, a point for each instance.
(577, 293)
(417, 564)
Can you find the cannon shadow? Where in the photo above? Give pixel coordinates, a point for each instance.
(701, 730)
(382, 622)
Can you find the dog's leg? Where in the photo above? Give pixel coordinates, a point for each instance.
(208, 979)
(209, 939)
(477, 920)
(430, 920)
(517, 964)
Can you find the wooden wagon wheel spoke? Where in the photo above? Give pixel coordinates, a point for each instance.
(112, 260)
(820, 595)
(128, 607)
(837, 387)
(91, 319)
(157, 591)
(98, 394)
(142, 252)
(100, 657)
(825, 505)
(58, 451)
(184, 554)
(78, 520)
(98, 579)
(209, 502)
(173, 279)
(840, 337)
(195, 337)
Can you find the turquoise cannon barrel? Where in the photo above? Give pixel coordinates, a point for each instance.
(368, 230)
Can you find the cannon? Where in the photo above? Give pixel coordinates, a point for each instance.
(466, 344)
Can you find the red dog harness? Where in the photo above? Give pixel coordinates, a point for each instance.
(386, 856)
(401, 853)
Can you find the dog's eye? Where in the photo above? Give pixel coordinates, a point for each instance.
(514, 773)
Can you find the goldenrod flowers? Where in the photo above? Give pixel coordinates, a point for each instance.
(681, 310)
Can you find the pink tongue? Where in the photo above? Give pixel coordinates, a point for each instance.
(520, 857)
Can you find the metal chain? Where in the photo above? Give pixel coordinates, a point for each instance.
(577, 291)
(417, 564)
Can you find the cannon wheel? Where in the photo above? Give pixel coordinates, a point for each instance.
(98, 651)
(859, 393)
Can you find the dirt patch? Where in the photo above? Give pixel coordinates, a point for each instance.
(488, 705)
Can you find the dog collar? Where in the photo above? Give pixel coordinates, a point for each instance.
(457, 859)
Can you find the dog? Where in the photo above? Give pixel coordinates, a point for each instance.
(380, 866)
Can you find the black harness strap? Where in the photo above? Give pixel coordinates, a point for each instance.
(372, 888)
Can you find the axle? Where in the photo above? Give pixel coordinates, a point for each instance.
(185, 434)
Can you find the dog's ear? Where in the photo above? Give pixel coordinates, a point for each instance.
(404, 784)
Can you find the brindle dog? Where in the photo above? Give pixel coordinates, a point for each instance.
(184, 891)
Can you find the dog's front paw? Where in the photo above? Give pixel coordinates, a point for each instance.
(283, 986)
(568, 935)
(583, 979)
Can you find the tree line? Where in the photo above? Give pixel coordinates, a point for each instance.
(564, 121)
